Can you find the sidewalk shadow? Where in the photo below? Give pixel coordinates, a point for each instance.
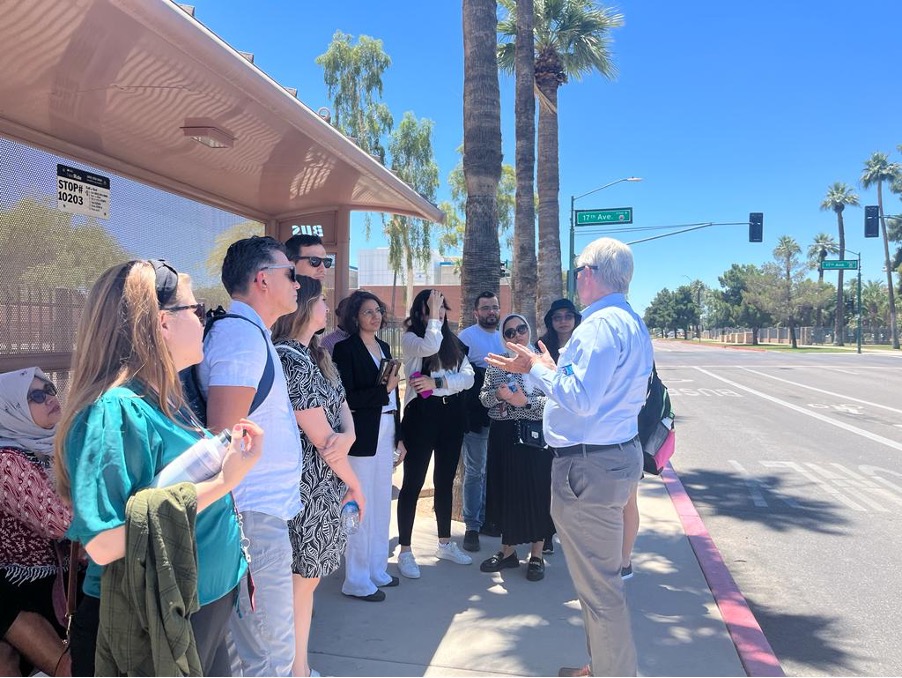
(727, 494)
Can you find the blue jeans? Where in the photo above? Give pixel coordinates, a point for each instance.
(264, 638)
(474, 452)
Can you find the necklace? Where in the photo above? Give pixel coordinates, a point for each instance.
(375, 349)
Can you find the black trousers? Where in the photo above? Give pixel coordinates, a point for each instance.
(433, 424)
(210, 624)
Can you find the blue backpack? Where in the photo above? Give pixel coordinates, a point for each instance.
(194, 396)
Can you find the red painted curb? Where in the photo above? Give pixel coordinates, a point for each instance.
(755, 653)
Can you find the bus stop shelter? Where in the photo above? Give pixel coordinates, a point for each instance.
(142, 91)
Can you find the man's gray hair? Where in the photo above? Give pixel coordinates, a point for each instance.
(614, 260)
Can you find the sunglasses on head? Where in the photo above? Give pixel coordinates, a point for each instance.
(200, 310)
(289, 269)
(316, 261)
(39, 395)
(512, 332)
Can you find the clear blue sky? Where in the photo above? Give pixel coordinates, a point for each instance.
(722, 107)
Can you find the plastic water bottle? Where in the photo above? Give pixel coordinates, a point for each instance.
(350, 517)
(201, 461)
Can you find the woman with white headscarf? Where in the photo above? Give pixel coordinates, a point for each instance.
(525, 478)
(33, 520)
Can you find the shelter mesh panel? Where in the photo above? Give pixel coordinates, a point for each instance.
(49, 258)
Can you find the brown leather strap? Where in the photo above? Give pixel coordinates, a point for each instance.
(72, 587)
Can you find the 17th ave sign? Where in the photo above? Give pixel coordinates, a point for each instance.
(619, 215)
(846, 264)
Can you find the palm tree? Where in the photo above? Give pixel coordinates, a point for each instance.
(572, 39)
(786, 252)
(838, 196)
(878, 169)
(822, 245)
(482, 152)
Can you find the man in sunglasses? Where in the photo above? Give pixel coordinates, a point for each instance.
(480, 339)
(240, 361)
(595, 393)
(308, 255)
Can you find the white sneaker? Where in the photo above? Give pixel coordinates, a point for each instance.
(451, 552)
(407, 565)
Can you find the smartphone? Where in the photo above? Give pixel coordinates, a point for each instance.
(513, 386)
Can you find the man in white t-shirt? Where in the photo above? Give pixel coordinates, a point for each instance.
(481, 339)
(261, 280)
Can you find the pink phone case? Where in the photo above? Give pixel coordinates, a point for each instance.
(422, 394)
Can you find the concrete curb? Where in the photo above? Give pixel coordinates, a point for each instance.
(754, 650)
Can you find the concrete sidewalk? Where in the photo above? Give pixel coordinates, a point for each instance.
(458, 621)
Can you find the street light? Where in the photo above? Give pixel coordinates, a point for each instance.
(571, 276)
(858, 254)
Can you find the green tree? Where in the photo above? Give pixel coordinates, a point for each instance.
(822, 245)
(413, 160)
(659, 315)
(838, 196)
(572, 39)
(482, 151)
(353, 76)
(740, 307)
(685, 310)
(878, 169)
(452, 231)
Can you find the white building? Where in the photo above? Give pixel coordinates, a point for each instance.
(374, 271)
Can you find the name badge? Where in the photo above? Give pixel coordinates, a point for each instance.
(568, 370)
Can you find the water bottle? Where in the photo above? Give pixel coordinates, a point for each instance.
(201, 461)
(350, 517)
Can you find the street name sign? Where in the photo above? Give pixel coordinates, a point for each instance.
(618, 215)
(848, 264)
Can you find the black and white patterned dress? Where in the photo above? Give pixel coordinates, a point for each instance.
(317, 540)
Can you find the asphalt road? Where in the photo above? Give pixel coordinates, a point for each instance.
(793, 462)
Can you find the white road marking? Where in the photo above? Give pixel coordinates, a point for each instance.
(839, 369)
(750, 483)
(842, 478)
(826, 487)
(820, 390)
(839, 424)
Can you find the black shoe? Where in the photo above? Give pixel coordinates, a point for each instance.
(394, 582)
(535, 571)
(548, 546)
(490, 530)
(376, 597)
(471, 540)
(499, 562)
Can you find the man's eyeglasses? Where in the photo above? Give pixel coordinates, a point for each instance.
(292, 276)
(370, 312)
(485, 309)
(512, 332)
(580, 268)
(200, 310)
(316, 261)
(39, 395)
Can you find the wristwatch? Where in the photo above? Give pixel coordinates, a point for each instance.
(439, 382)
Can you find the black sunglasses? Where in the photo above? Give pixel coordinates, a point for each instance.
(512, 332)
(589, 266)
(289, 269)
(316, 261)
(39, 395)
(200, 310)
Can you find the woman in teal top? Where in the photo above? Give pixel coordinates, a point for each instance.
(125, 420)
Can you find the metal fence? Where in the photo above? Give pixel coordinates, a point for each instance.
(809, 336)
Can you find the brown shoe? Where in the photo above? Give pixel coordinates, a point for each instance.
(571, 671)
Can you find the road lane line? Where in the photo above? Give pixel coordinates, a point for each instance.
(820, 390)
(752, 486)
(826, 487)
(814, 415)
(839, 479)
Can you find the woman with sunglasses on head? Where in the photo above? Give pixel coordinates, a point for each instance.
(560, 321)
(525, 471)
(33, 522)
(327, 432)
(437, 372)
(371, 383)
(125, 420)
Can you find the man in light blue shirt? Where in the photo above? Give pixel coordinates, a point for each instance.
(594, 394)
(261, 281)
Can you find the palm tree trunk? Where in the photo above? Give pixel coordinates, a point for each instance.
(480, 269)
(839, 320)
(524, 273)
(550, 283)
(894, 328)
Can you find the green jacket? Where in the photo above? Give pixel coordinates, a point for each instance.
(146, 598)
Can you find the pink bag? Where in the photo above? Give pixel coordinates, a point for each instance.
(665, 452)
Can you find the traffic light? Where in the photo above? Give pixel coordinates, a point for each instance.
(756, 226)
(871, 222)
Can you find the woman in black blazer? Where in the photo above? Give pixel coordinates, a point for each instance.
(374, 405)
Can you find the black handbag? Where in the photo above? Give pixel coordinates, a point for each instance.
(529, 433)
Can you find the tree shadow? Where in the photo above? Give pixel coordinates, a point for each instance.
(728, 494)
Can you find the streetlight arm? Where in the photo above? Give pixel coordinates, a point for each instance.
(601, 188)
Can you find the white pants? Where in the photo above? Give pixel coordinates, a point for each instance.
(366, 557)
